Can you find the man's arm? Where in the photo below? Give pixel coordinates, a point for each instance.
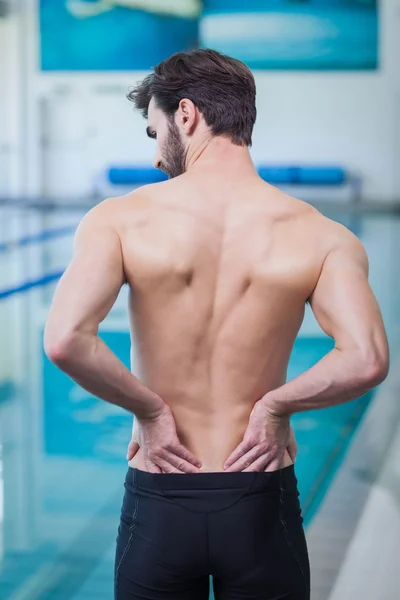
(346, 309)
(84, 297)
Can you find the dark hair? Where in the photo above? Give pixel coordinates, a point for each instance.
(222, 88)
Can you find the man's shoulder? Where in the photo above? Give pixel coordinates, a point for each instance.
(114, 204)
(331, 237)
(111, 209)
(336, 235)
(319, 225)
(307, 223)
(141, 197)
(281, 205)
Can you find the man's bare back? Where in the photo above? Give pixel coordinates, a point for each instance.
(220, 266)
(220, 271)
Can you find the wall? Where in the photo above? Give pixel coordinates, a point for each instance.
(10, 114)
(349, 118)
(335, 117)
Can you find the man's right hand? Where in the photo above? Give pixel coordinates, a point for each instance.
(159, 442)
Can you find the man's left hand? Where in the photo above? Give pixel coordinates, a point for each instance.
(265, 442)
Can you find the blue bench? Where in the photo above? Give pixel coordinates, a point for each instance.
(310, 176)
(303, 175)
(134, 175)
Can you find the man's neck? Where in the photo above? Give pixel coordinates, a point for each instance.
(219, 153)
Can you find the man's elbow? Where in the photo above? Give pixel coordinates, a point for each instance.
(60, 349)
(376, 369)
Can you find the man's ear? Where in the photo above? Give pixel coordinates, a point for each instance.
(187, 116)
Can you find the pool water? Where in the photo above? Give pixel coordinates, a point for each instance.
(63, 451)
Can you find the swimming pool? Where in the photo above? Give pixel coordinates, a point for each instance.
(62, 451)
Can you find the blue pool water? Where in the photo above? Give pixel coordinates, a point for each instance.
(63, 451)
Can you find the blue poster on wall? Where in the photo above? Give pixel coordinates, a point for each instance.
(111, 35)
(115, 35)
(294, 34)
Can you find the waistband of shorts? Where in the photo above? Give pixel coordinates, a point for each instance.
(272, 480)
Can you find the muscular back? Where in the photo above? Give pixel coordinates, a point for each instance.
(219, 277)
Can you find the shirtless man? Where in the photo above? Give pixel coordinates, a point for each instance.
(220, 266)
